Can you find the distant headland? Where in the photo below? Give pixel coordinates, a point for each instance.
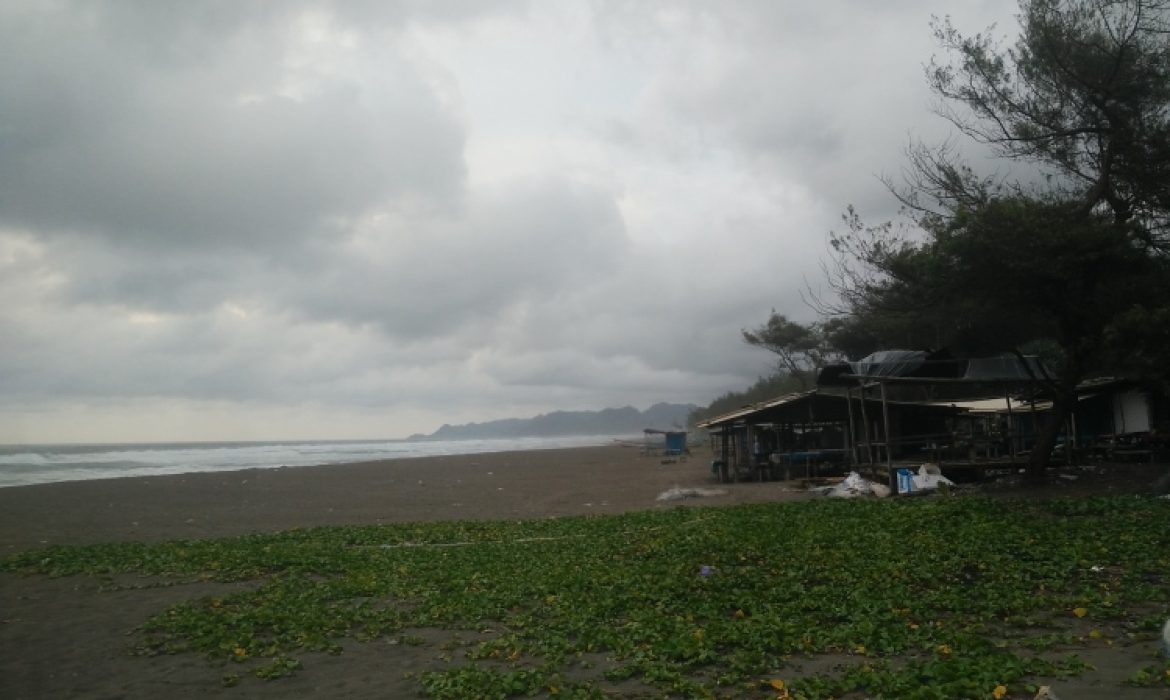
(610, 421)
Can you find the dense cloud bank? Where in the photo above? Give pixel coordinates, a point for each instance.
(314, 219)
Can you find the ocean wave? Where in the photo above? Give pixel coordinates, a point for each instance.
(25, 465)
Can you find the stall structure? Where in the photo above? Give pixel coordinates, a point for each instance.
(811, 433)
(893, 408)
(670, 444)
(899, 408)
(991, 395)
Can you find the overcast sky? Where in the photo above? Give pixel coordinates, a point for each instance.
(238, 220)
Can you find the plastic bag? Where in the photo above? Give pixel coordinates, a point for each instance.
(854, 486)
(929, 477)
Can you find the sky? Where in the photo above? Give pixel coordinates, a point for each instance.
(308, 220)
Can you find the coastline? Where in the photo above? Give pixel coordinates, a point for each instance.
(28, 465)
(485, 486)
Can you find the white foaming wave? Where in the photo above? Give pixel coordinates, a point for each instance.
(73, 463)
(55, 463)
(25, 458)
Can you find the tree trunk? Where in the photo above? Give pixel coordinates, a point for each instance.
(1041, 455)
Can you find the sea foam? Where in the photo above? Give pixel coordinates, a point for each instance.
(23, 465)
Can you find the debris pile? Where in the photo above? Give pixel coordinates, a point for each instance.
(678, 493)
(928, 478)
(854, 486)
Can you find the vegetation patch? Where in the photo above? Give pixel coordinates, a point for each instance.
(943, 598)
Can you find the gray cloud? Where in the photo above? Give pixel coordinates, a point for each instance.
(234, 146)
(381, 216)
(412, 277)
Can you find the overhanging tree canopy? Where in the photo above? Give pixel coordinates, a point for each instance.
(1067, 262)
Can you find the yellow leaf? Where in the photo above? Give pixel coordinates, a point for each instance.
(1094, 634)
(999, 692)
(739, 614)
(777, 684)
(1080, 612)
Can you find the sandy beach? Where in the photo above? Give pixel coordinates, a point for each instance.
(69, 637)
(66, 638)
(502, 485)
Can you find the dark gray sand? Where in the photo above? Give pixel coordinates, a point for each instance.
(68, 638)
(503, 485)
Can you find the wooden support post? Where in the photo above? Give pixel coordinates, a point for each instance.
(1032, 400)
(1011, 436)
(886, 425)
(724, 453)
(865, 425)
(850, 440)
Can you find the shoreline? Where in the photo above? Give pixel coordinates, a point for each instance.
(526, 484)
(31, 465)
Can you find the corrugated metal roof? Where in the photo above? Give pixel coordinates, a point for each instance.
(735, 415)
(727, 417)
(823, 407)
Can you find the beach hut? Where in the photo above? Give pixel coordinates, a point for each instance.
(673, 443)
(676, 443)
(815, 432)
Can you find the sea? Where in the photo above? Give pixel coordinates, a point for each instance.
(25, 465)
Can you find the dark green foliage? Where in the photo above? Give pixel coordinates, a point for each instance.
(1083, 94)
(1137, 339)
(1016, 271)
(803, 349)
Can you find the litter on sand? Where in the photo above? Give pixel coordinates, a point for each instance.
(678, 493)
(928, 478)
(853, 486)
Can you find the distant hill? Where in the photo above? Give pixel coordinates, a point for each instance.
(611, 421)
